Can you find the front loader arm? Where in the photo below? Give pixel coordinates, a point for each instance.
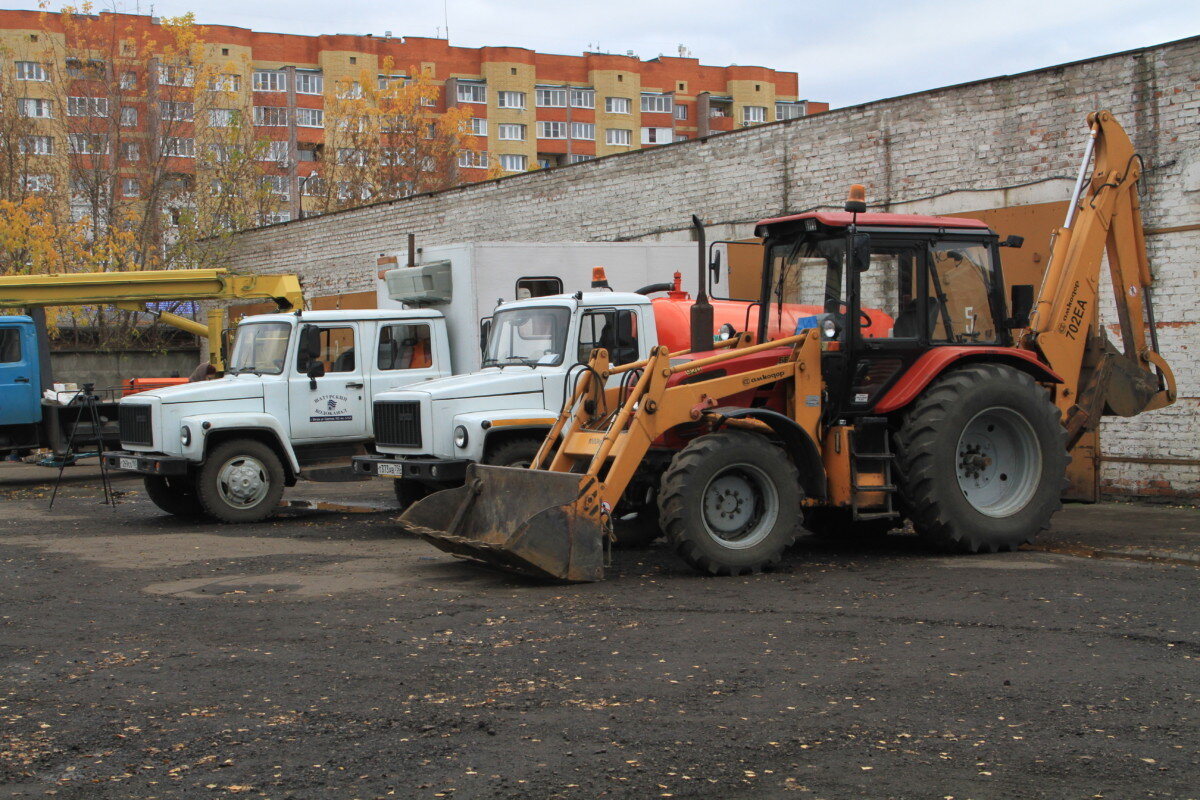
(1097, 379)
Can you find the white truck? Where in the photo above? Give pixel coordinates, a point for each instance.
(298, 388)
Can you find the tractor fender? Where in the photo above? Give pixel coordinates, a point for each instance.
(796, 441)
(939, 359)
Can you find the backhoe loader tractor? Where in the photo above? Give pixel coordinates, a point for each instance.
(959, 418)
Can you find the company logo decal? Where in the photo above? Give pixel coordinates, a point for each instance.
(331, 408)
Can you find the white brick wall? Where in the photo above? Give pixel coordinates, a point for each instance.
(1011, 140)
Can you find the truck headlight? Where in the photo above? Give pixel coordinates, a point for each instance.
(460, 437)
(185, 435)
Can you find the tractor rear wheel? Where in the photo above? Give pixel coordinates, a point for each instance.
(730, 503)
(982, 460)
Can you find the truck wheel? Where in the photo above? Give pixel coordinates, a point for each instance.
(174, 495)
(241, 481)
(836, 525)
(409, 492)
(982, 460)
(730, 503)
(514, 453)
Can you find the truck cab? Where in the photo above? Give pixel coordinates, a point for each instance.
(296, 392)
(425, 435)
(20, 379)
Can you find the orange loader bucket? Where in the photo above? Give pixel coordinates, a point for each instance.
(542, 524)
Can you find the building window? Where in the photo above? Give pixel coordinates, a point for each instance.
(657, 135)
(128, 81)
(312, 186)
(617, 136)
(225, 82)
(271, 116)
(37, 183)
(576, 158)
(680, 111)
(681, 137)
(310, 118)
(37, 145)
(275, 151)
(552, 98)
(269, 80)
(583, 98)
(175, 75)
(351, 155)
(349, 90)
(31, 107)
(87, 144)
(87, 106)
(131, 151)
(222, 117)
(479, 126)
(510, 100)
(309, 82)
(657, 103)
(179, 147)
(512, 163)
(276, 184)
(31, 71)
(384, 82)
(130, 187)
(129, 117)
(753, 115)
(472, 93)
(617, 105)
(473, 159)
(512, 133)
(275, 217)
(174, 111)
(551, 130)
(583, 130)
(789, 110)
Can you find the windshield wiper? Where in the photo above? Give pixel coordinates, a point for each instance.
(522, 360)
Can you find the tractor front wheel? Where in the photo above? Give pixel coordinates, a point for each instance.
(730, 503)
(982, 459)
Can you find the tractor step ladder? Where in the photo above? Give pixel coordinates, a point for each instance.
(871, 435)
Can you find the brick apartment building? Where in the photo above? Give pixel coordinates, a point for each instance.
(527, 109)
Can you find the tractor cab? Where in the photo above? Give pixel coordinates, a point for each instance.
(891, 286)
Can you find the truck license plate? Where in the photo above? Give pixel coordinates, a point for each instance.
(394, 470)
(129, 463)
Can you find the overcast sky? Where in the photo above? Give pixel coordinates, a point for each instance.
(844, 52)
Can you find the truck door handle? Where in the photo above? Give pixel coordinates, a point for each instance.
(20, 380)
(354, 385)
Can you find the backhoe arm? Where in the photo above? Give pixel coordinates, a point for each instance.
(1098, 379)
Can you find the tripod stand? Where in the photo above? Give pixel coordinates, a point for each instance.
(90, 400)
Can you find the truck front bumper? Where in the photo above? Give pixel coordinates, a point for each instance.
(145, 463)
(422, 470)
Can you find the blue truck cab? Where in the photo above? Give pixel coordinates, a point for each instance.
(20, 379)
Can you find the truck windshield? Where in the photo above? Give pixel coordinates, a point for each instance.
(260, 347)
(528, 336)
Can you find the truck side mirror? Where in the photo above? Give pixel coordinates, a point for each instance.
(485, 327)
(860, 252)
(310, 343)
(714, 268)
(316, 369)
(1021, 305)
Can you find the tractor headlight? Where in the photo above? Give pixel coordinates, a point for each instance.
(460, 437)
(829, 328)
(185, 435)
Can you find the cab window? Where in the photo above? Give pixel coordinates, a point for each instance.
(337, 351)
(614, 330)
(10, 345)
(538, 287)
(404, 347)
(960, 291)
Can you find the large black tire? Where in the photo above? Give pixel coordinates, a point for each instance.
(730, 503)
(409, 492)
(174, 495)
(982, 460)
(241, 481)
(514, 452)
(837, 525)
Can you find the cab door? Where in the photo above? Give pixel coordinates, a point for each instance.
(19, 374)
(333, 405)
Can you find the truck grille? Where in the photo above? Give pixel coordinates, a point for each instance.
(398, 424)
(134, 423)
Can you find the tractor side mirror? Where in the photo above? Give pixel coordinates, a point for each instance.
(1014, 242)
(860, 252)
(1021, 305)
(714, 268)
(316, 369)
